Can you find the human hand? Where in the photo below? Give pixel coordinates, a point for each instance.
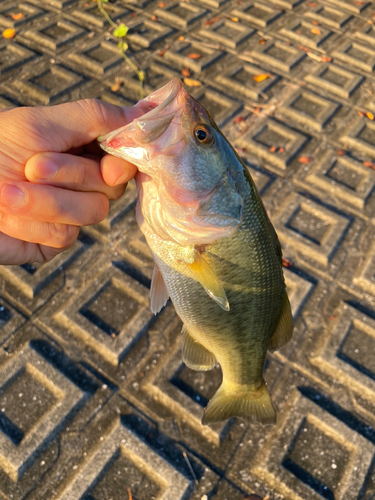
(54, 178)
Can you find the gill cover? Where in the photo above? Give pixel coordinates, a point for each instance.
(187, 191)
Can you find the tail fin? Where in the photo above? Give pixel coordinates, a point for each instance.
(255, 406)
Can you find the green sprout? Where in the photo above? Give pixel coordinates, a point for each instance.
(120, 31)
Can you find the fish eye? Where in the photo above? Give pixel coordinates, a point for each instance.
(203, 134)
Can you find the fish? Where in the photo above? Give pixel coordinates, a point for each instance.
(216, 253)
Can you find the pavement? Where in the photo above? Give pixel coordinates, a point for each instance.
(95, 401)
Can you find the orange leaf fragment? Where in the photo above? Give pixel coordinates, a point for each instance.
(161, 5)
(315, 23)
(211, 21)
(16, 17)
(370, 116)
(235, 19)
(273, 149)
(192, 83)
(163, 51)
(358, 2)
(369, 164)
(326, 59)
(186, 72)
(311, 4)
(281, 150)
(287, 262)
(305, 49)
(262, 41)
(239, 119)
(262, 77)
(154, 18)
(116, 86)
(194, 56)
(316, 31)
(130, 496)
(341, 152)
(361, 113)
(181, 38)
(305, 159)
(9, 33)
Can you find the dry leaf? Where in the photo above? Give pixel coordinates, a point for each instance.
(273, 149)
(361, 113)
(287, 262)
(16, 17)
(239, 119)
(316, 31)
(116, 86)
(133, 14)
(262, 41)
(369, 164)
(9, 33)
(305, 159)
(262, 77)
(211, 21)
(370, 116)
(192, 83)
(163, 51)
(194, 56)
(186, 72)
(235, 19)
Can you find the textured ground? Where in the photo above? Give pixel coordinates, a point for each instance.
(95, 402)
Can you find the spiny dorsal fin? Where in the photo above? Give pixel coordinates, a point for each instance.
(194, 355)
(158, 292)
(284, 329)
(203, 273)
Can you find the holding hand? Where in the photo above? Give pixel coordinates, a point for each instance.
(54, 177)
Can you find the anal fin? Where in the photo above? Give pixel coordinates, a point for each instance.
(284, 329)
(158, 292)
(203, 273)
(194, 355)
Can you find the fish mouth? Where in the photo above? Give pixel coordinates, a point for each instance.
(155, 114)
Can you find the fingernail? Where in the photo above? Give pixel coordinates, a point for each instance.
(46, 169)
(12, 196)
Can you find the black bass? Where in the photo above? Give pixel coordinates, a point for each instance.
(216, 253)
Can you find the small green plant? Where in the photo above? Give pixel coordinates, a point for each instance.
(120, 31)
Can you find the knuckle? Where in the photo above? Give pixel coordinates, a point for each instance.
(101, 209)
(62, 235)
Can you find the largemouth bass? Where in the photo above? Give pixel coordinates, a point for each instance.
(216, 253)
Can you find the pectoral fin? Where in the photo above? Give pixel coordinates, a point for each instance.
(284, 329)
(158, 292)
(194, 355)
(203, 273)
